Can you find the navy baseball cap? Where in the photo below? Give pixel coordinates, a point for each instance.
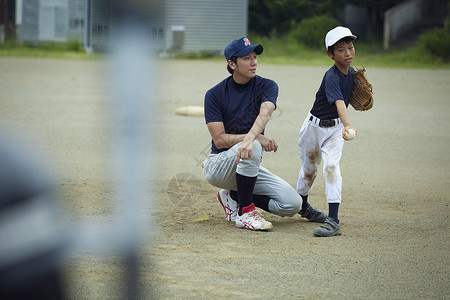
(241, 47)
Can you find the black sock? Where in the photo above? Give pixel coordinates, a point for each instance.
(260, 201)
(333, 209)
(234, 195)
(305, 202)
(245, 186)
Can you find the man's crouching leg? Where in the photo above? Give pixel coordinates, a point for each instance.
(246, 175)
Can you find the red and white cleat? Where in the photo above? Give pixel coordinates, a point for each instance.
(252, 219)
(229, 205)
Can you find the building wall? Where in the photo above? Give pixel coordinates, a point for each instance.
(401, 19)
(155, 25)
(77, 14)
(44, 20)
(53, 20)
(208, 24)
(101, 20)
(412, 16)
(99, 23)
(183, 25)
(29, 30)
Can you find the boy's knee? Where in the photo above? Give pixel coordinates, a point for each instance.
(331, 172)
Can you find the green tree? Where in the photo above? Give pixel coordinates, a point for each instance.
(277, 16)
(311, 31)
(267, 17)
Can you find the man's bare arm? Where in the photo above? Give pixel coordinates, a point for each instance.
(222, 139)
(246, 148)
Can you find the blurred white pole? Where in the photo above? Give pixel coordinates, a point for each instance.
(131, 86)
(132, 89)
(131, 82)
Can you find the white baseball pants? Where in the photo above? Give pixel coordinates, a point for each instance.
(317, 143)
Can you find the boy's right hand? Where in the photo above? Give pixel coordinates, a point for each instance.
(345, 130)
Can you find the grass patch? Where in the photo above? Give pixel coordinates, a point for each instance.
(373, 55)
(276, 51)
(69, 50)
(368, 54)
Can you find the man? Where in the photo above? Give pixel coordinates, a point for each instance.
(237, 111)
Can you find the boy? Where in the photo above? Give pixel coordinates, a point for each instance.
(236, 112)
(323, 132)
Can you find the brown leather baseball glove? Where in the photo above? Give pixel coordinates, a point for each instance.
(361, 98)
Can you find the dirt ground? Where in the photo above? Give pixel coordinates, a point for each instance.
(396, 186)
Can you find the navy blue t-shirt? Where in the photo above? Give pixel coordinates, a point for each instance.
(335, 86)
(238, 105)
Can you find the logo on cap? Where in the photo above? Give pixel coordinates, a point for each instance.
(247, 42)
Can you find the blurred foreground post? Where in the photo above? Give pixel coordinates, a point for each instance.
(132, 97)
(34, 236)
(132, 93)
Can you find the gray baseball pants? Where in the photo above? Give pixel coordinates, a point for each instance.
(220, 171)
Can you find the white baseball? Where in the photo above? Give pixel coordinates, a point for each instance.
(350, 135)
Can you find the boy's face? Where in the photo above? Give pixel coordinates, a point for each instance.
(343, 55)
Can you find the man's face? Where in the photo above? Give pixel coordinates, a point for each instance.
(245, 68)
